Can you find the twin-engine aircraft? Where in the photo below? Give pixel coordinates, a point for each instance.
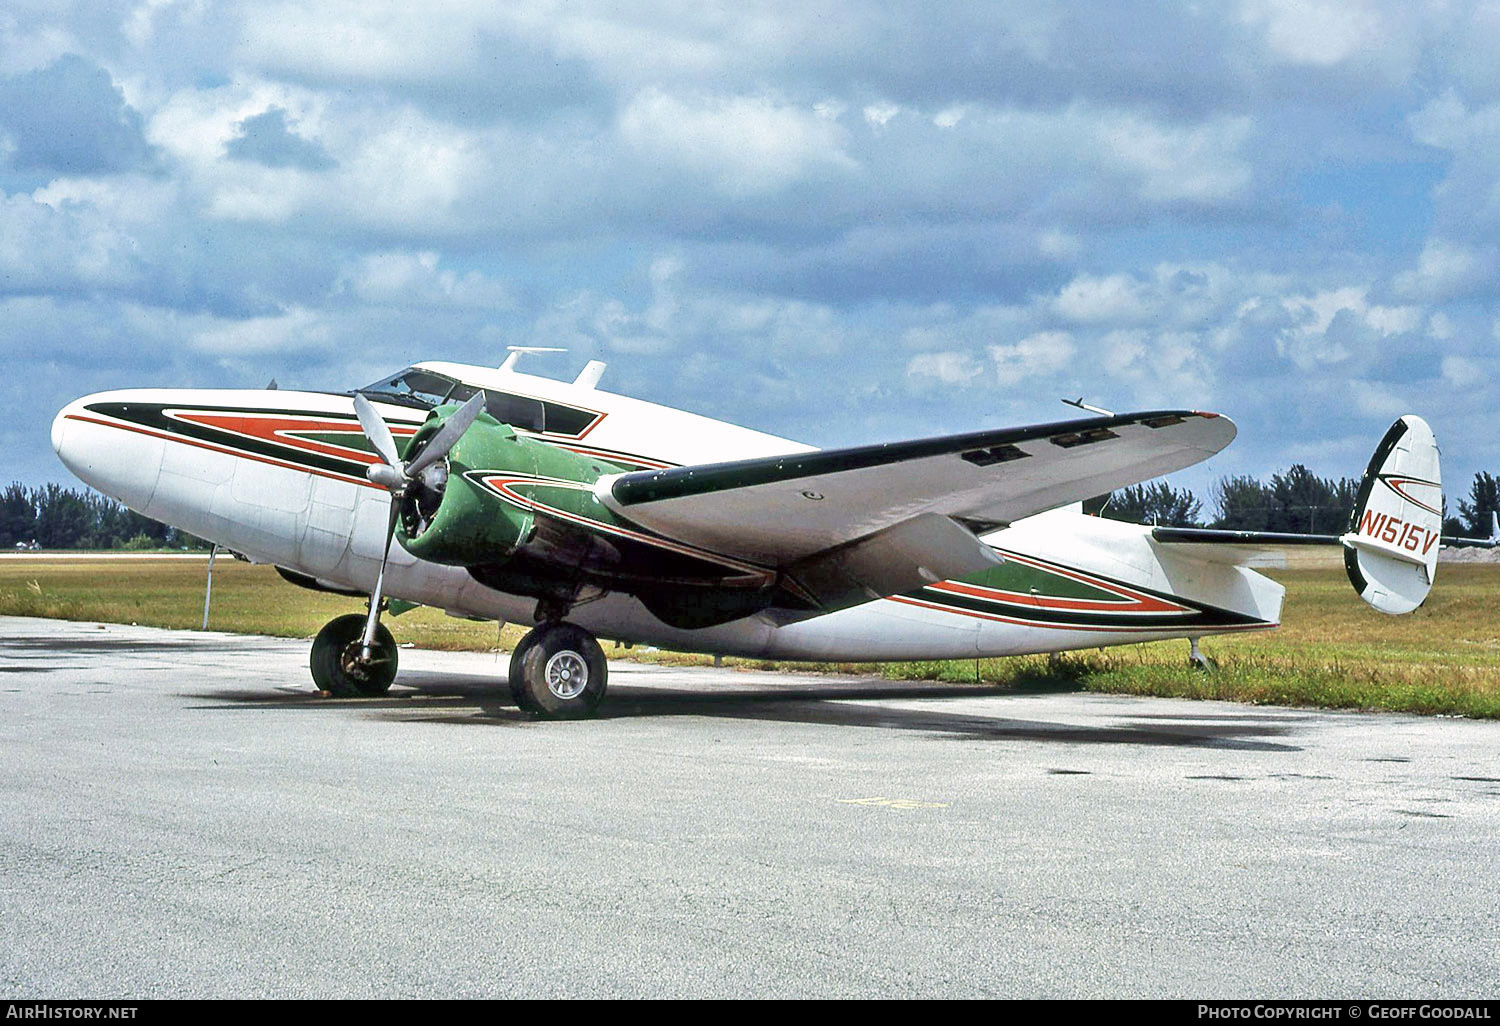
(514, 497)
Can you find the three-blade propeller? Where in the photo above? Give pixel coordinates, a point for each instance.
(395, 475)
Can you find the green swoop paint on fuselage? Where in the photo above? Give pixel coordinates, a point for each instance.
(1023, 579)
(347, 440)
(1023, 590)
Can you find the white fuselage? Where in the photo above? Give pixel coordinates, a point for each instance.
(260, 472)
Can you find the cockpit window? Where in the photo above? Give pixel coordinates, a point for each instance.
(423, 389)
(412, 387)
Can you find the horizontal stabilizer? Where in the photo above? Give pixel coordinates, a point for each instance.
(1265, 549)
(1492, 542)
(1391, 547)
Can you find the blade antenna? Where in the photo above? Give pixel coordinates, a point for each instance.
(1080, 404)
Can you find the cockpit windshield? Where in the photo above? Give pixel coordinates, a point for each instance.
(412, 387)
(424, 389)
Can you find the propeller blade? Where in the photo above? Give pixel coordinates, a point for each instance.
(448, 435)
(373, 619)
(376, 431)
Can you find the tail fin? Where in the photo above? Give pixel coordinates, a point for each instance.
(1391, 548)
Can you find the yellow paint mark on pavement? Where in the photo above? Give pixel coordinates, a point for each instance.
(893, 803)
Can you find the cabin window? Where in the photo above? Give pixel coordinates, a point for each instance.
(569, 420)
(518, 411)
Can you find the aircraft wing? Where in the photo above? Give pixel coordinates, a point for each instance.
(853, 524)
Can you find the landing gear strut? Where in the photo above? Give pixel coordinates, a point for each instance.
(1198, 660)
(338, 662)
(558, 671)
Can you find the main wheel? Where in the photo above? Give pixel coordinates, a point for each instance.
(518, 689)
(337, 666)
(559, 671)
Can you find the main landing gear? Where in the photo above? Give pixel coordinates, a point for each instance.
(339, 666)
(558, 671)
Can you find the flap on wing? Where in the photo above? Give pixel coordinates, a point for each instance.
(1265, 549)
(911, 555)
(783, 509)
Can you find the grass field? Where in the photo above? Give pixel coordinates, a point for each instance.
(1333, 652)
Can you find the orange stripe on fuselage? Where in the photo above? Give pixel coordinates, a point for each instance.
(276, 428)
(1112, 629)
(1128, 602)
(224, 450)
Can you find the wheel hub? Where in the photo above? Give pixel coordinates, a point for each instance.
(354, 662)
(567, 674)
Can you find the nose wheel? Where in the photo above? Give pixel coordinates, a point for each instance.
(558, 671)
(339, 666)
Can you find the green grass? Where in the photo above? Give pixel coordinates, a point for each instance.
(1333, 652)
(246, 600)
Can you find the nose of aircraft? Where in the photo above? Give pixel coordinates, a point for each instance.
(59, 432)
(103, 452)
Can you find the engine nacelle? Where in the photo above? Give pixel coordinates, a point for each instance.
(523, 517)
(447, 517)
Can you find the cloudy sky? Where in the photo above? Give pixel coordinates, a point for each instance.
(838, 221)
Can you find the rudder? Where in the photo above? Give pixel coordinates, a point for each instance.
(1391, 547)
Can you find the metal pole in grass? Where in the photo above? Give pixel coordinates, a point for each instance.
(208, 592)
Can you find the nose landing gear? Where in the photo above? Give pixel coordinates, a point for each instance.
(338, 662)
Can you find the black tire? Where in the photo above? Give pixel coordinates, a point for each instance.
(562, 673)
(518, 689)
(336, 664)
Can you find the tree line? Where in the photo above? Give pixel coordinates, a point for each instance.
(1294, 501)
(54, 517)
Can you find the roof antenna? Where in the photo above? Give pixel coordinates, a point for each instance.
(1085, 406)
(590, 375)
(516, 353)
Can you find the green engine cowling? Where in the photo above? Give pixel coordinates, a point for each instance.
(522, 517)
(448, 518)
